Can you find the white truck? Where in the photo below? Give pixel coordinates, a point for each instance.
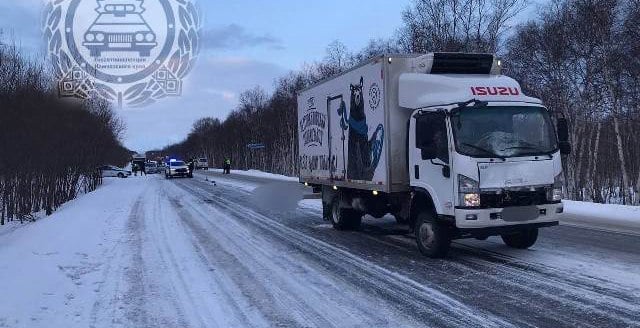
(441, 141)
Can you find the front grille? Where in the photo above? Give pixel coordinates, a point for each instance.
(120, 38)
(181, 170)
(513, 198)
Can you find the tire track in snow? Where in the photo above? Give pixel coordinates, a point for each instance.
(528, 293)
(243, 277)
(116, 303)
(409, 296)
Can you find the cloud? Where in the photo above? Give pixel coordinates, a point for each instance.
(210, 90)
(20, 22)
(234, 37)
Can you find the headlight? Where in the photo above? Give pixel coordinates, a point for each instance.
(139, 37)
(100, 37)
(468, 191)
(470, 200)
(89, 37)
(554, 193)
(150, 37)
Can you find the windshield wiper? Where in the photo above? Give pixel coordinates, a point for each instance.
(486, 151)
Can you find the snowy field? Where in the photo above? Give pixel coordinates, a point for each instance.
(203, 252)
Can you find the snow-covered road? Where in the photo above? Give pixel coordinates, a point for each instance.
(149, 252)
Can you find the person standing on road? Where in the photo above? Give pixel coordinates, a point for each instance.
(191, 167)
(227, 166)
(135, 168)
(143, 169)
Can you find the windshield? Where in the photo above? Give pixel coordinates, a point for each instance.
(177, 163)
(503, 131)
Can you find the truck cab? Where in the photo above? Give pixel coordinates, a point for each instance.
(484, 159)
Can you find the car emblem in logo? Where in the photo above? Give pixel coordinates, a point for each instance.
(133, 52)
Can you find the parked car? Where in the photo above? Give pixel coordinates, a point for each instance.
(202, 164)
(152, 168)
(110, 171)
(177, 169)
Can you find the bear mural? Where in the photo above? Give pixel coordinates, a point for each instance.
(363, 152)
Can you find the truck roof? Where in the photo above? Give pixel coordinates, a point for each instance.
(426, 90)
(366, 62)
(435, 63)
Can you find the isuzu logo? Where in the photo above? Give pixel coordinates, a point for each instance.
(133, 52)
(495, 91)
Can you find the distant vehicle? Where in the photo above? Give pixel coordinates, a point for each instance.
(110, 171)
(120, 27)
(202, 164)
(140, 160)
(442, 141)
(152, 168)
(177, 169)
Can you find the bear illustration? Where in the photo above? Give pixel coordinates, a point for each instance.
(363, 152)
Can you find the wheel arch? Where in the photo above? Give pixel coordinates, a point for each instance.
(421, 200)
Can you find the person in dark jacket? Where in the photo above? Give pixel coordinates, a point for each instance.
(143, 169)
(135, 168)
(192, 166)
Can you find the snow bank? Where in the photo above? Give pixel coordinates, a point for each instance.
(260, 174)
(50, 269)
(603, 216)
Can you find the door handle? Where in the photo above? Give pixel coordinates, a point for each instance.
(416, 172)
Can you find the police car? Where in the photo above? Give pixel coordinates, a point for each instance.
(177, 168)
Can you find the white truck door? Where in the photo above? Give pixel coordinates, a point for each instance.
(430, 160)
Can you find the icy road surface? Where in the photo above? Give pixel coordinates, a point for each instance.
(149, 252)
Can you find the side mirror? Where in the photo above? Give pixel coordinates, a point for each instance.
(565, 148)
(563, 136)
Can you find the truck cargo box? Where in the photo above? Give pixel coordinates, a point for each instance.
(352, 133)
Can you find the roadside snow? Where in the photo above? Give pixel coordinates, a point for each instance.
(50, 268)
(617, 218)
(260, 174)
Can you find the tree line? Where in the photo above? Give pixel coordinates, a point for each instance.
(581, 57)
(50, 148)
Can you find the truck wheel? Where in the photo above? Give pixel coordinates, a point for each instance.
(433, 239)
(344, 218)
(521, 240)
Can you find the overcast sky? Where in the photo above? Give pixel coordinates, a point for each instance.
(246, 43)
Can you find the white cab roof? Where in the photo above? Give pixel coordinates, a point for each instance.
(419, 90)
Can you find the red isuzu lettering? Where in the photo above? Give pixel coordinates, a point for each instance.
(495, 91)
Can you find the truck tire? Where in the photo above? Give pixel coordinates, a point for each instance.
(433, 238)
(344, 218)
(521, 240)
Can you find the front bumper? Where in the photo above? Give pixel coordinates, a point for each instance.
(178, 174)
(490, 217)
